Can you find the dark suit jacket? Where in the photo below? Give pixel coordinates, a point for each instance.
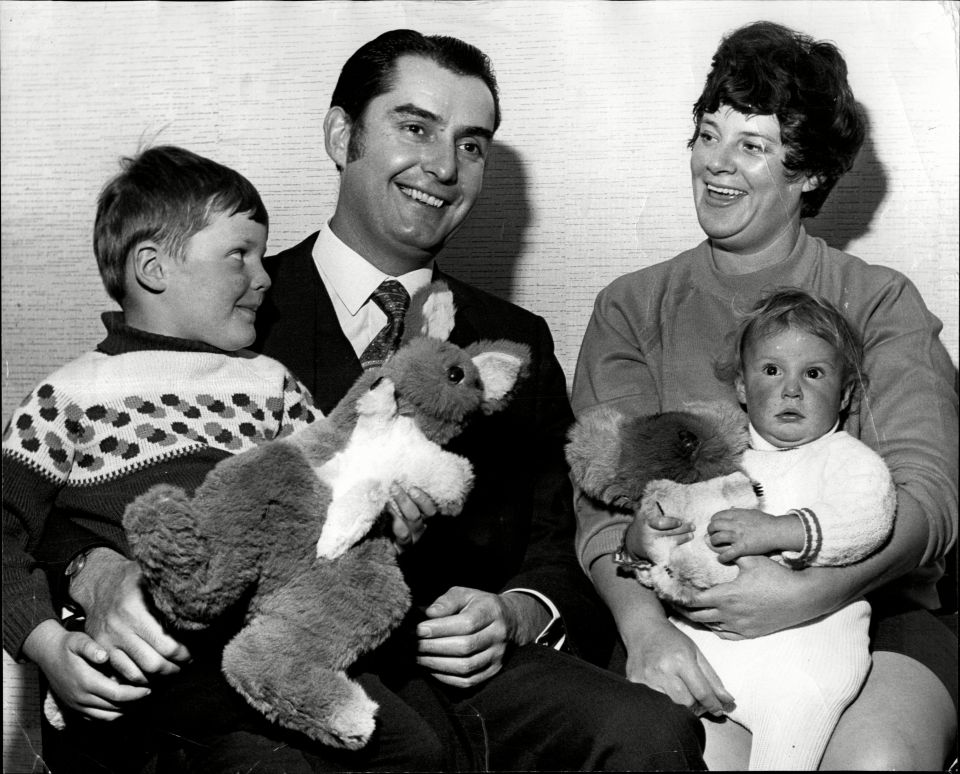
(517, 529)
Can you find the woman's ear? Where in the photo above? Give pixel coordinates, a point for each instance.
(148, 266)
(810, 183)
(336, 135)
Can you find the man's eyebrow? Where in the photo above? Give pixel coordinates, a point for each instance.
(409, 109)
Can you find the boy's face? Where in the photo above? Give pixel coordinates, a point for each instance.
(213, 291)
(792, 385)
(423, 150)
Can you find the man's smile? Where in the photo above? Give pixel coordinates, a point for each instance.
(422, 196)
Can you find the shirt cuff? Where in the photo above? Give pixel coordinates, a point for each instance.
(554, 634)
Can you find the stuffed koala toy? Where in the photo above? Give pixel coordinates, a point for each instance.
(293, 529)
(684, 464)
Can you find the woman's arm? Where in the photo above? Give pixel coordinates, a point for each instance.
(658, 654)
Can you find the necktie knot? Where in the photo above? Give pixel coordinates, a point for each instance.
(393, 300)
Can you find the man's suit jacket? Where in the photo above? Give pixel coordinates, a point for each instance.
(517, 529)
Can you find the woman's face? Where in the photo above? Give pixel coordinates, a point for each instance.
(743, 198)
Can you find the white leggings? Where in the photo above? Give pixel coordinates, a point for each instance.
(791, 686)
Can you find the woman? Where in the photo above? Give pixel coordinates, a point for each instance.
(776, 127)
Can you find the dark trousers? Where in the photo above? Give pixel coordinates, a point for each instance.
(545, 710)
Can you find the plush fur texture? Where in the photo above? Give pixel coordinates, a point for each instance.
(684, 464)
(289, 528)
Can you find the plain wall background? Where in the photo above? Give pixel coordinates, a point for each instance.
(589, 177)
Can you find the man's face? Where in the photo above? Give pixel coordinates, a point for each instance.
(423, 151)
(742, 193)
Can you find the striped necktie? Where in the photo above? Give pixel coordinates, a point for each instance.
(394, 300)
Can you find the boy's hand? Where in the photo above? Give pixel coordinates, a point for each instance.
(410, 509)
(74, 665)
(740, 532)
(119, 619)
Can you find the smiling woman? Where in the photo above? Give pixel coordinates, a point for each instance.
(775, 127)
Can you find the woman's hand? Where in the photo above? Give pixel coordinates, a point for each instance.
(667, 660)
(766, 597)
(644, 532)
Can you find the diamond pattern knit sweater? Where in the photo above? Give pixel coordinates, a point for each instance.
(139, 410)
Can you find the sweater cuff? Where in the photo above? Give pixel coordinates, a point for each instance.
(812, 540)
(605, 541)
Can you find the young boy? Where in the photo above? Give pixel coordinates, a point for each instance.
(827, 500)
(167, 394)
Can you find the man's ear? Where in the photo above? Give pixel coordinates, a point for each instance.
(148, 266)
(336, 135)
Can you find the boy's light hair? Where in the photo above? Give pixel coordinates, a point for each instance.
(165, 194)
(795, 308)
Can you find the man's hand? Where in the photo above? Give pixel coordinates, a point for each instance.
(665, 659)
(118, 618)
(409, 510)
(74, 665)
(466, 637)
(740, 532)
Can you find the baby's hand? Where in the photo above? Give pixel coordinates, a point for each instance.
(75, 666)
(748, 532)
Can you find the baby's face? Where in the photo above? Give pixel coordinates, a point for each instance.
(215, 289)
(792, 385)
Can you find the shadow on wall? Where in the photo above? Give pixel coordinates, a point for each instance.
(855, 201)
(485, 251)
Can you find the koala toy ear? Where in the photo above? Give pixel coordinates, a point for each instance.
(502, 366)
(431, 313)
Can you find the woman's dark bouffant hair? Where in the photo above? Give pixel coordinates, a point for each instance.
(767, 69)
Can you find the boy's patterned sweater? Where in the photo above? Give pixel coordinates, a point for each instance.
(140, 409)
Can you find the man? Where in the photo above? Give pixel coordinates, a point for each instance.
(479, 679)
(410, 129)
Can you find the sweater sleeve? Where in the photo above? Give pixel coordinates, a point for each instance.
(611, 369)
(29, 492)
(910, 416)
(852, 513)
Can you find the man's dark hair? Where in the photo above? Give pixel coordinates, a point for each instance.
(371, 71)
(768, 69)
(165, 194)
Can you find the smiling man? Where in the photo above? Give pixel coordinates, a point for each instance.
(484, 676)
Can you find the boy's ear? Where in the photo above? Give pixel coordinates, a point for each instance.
(148, 267)
(336, 135)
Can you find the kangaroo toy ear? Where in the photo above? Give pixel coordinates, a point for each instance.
(431, 313)
(502, 365)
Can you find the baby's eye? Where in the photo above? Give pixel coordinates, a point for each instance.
(770, 370)
(814, 373)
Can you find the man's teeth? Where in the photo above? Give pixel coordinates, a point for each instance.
(420, 196)
(724, 191)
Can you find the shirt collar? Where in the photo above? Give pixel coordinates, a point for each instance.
(122, 338)
(760, 443)
(351, 277)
